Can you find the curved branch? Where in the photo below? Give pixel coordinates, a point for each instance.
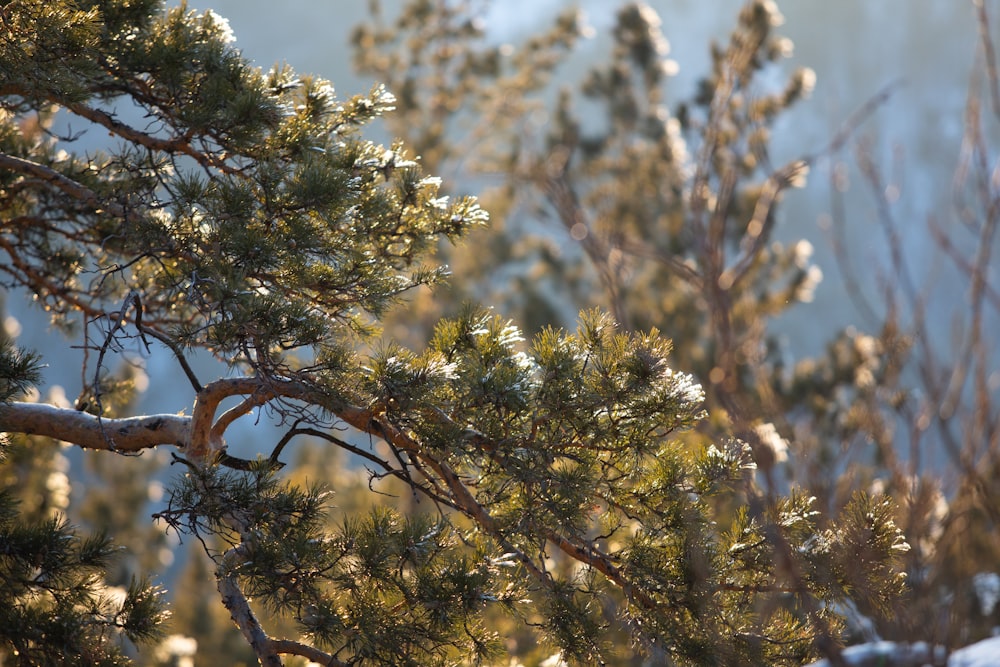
(255, 400)
(206, 440)
(131, 434)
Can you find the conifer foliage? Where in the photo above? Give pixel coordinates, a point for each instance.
(242, 214)
(54, 608)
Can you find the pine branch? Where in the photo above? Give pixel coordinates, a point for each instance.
(181, 145)
(176, 145)
(65, 184)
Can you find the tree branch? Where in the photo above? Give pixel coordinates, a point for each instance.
(601, 562)
(462, 498)
(62, 182)
(761, 222)
(255, 400)
(178, 354)
(206, 440)
(240, 611)
(687, 272)
(131, 434)
(174, 145)
(289, 647)
(561, 195)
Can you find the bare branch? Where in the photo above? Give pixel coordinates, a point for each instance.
(674, 264)
(850, 126)
(244, 408)
(116, 321)
(131, 434)
(289, 647)
(561, 195)
(240, 611)
(205, 439)
(181, 359)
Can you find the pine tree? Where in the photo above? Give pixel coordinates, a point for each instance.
(55, 610)
(242, 214)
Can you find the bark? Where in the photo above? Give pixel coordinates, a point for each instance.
(130, 434)
(243, 616)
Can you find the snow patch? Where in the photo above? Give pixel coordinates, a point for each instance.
(981, 654)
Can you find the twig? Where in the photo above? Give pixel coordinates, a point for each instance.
(854, 121)
(116, 321)
(989, 54)
(172, 346)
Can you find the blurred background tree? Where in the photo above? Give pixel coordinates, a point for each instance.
(665, 212)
